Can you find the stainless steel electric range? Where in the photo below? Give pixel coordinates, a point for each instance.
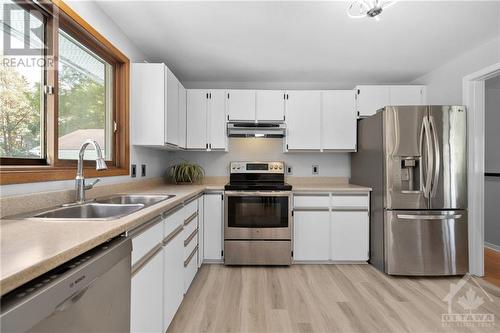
(257, 220)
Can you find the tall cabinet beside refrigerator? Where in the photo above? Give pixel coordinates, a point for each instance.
(415, 159)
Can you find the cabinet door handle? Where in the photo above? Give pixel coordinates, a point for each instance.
(206, 146)
(207, 95)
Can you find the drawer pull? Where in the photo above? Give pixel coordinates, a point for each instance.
(172, 235)
(145, 259)
(311, 209)
(190, 219)
(350, 208)
(190, 237)
(188, 260)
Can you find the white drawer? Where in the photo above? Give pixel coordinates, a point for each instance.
(190, 244)
(144, 242)
(172, 222)
(355, 201)
(190, 269)
(303, 201)
(189, 226)
(190, 208)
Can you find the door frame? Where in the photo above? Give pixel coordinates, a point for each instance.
(474, 100)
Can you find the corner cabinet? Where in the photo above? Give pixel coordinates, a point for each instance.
(158, 107)
(371, 98)
(206, 120)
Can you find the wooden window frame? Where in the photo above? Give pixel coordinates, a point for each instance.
(60, 15)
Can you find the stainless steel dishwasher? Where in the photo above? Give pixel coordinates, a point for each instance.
(90, 293)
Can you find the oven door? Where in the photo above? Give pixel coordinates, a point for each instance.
(257, 215)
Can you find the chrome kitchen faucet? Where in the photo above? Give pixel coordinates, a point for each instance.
(100, 164)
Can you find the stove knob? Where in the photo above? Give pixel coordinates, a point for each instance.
(281, 168)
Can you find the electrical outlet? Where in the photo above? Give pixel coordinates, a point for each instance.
(289, 170)
(315, 169)
(143, 170)
(133, 171)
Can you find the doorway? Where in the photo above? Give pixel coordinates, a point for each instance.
(492, 180)
(474, 98)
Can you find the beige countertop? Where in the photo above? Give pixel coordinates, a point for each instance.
(32, 247)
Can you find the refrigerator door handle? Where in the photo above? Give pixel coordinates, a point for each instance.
(428, 217)
(437, 156)
(425, 184)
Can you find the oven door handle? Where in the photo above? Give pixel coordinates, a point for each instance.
(257, 193)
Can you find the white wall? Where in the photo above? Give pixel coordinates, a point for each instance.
(492, 161)
(154, 159)
(444, 84)
(262, 149)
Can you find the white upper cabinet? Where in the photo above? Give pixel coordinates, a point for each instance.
(157, 112)
(182, 116)
(303, 117)
(147, 104)
(197, 119)
(407, 95)
(338, 125)
(206, 120)
(270, 105)
(372, 98)
(240, 105)
(217, 123)
(172, 119)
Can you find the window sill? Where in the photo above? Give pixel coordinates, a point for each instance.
(33, 174)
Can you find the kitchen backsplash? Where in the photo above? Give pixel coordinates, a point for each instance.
(260, 149)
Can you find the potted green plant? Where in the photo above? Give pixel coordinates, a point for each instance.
(185, 173)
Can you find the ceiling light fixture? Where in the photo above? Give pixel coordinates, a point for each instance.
(368, 8)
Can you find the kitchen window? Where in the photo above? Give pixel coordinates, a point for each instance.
(61, 82)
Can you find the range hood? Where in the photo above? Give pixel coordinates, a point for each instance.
(256, 130)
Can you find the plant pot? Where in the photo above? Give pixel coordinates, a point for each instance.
(184, 183)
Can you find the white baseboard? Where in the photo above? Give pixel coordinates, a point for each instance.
(328, 262)
(492, 246)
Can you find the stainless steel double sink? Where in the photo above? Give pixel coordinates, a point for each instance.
(106, 208)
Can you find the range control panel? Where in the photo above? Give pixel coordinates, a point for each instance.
(257, 167)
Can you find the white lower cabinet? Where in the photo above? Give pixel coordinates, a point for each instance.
(173, 269)
(165, 262)
(201, 218)
(311, 235)
(330, 227)
(349, 236)
(213, 224)
(146, 301)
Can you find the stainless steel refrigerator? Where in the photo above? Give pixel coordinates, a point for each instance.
(415, 159)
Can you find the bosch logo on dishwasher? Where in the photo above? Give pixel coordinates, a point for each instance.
(72, 284)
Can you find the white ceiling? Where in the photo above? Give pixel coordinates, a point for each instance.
(302, 42)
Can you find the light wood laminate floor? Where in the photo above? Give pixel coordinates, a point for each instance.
(321, 298)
